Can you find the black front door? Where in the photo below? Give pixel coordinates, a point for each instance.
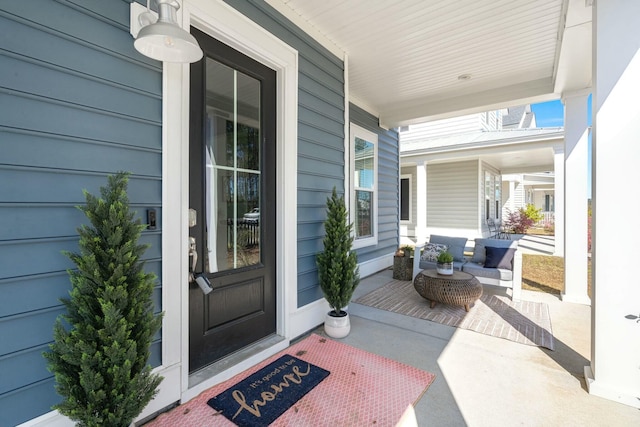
(232, 165)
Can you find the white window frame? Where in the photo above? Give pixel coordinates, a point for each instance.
(410, 220)
(356, 131)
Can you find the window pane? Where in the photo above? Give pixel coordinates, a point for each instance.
(404, 199)
(232, 169)
(363, 163)
(487, 185)
(220, 112)
(248, 147)
(363, 214)
(219, 218)
(248, 110)
(248, 226)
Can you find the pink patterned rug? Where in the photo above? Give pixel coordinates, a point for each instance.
(361, 389)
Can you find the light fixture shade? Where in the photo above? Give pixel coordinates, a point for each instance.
(165, 40)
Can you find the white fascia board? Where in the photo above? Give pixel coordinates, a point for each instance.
(539, 141)
(307, 27)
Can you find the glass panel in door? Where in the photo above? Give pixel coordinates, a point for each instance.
(233, 176)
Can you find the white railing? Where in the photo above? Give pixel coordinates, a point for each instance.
(547, 217)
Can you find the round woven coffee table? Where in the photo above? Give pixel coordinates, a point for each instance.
(458, 289)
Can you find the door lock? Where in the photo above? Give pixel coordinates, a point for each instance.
(202, 280)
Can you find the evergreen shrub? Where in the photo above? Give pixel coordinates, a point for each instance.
(337, 265)
(102, 343)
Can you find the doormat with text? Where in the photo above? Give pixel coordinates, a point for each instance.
(263, 396)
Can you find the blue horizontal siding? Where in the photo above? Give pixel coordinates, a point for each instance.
(23, 76)
(18, 294)
(39, 185)
(61, 118)
(77, 103)
(388, 190)
(34, 39)
(18, 145)
(25, 220)
(319, 167)
(27, 402)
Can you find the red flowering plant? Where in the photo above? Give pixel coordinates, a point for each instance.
(518, 222)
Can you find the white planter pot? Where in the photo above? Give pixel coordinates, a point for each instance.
(337, 327)
(446, 268)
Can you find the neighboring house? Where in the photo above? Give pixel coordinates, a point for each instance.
(520, 117)
(79, 102)
(458, 173)
(537, 189)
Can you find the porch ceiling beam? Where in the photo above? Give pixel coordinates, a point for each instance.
(432, 108)
(530, 169)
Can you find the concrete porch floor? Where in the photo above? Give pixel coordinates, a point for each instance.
(487, 381)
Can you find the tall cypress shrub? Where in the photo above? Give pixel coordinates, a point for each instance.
(337, 264)
(102, 344)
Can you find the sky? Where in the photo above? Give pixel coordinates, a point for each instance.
(549, 114)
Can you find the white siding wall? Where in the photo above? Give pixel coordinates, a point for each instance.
(520, 199)
(491, 120)
(469, 123)
(515, 200)
(451, 198)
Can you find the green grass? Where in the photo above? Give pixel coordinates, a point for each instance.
(545, 273)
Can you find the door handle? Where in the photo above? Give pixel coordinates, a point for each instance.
(202, 280)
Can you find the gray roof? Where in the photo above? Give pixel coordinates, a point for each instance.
(513, 117)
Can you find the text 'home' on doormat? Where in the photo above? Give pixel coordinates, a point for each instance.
(263, 396)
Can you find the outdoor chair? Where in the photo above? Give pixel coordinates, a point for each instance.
(496, 231)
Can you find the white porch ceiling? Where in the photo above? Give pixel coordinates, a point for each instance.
(405, 56)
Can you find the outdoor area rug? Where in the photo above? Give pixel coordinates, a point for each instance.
(362, 388)
(524, 322)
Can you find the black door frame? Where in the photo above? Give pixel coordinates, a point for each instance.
(231, 58)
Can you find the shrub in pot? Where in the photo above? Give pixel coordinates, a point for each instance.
(444, 263)
(337, 267)
(100, 353)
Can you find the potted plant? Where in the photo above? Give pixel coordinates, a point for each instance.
(101, 348)
(337, 267)
(444, 263)
(408, 250)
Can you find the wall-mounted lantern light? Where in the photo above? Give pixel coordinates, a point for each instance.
(162, 38)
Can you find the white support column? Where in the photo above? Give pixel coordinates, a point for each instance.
(576, 157)
(614, 371)
(512, 196)
(421, 202)
(559, 175)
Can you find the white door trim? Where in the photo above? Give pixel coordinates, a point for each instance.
(232, 28)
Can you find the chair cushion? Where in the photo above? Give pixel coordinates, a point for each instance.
(491, 273)
(498, 257)
(431, 251)
(455, 245)
(479, 252)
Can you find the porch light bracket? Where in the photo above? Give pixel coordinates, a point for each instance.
(159, 36)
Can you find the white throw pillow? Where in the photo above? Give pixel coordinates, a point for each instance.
(432, 250)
